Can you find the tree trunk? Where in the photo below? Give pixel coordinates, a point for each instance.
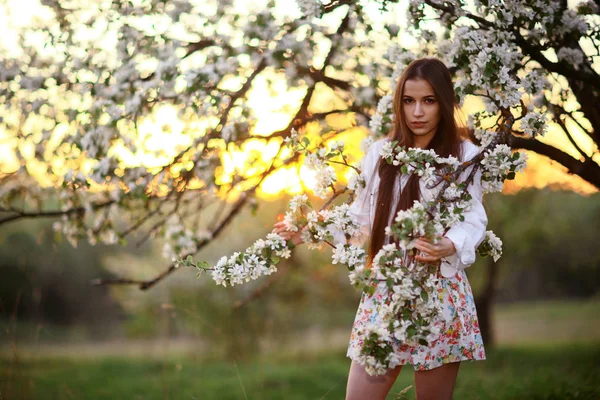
(484, 302)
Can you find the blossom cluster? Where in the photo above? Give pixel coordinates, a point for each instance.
(319, 161)
(423, 162)
(180, 240)
(316, 226)
(534, 124)
(353, 256)
(499, 164)
(382, 119)
(258, 260)
(411, 314)
(491, 246)
(309, 8)
(487, 61)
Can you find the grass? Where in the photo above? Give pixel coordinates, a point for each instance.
(541, 372)
(547, 351)
(556, 321)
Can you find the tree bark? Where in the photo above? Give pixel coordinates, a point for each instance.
(588, 170)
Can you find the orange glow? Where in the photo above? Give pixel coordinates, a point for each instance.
(543, 172)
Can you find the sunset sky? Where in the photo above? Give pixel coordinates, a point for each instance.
(273, 109)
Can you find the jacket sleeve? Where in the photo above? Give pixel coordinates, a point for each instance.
(467, 235)
(360, 209)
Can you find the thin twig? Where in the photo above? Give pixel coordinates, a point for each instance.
(22, 213)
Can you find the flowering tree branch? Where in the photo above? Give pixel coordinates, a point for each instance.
(568, 28)
(587, 170)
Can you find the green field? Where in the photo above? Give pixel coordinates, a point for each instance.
(544, 372)
(547, 350)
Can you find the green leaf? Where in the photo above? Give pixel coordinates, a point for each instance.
(201, 264)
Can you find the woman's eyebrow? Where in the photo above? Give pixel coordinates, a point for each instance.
(425, 97)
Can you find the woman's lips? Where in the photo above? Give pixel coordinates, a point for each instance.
(418, 123)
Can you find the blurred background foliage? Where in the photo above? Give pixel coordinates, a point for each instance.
(550, 253)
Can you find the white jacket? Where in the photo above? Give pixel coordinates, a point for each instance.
(466, 235)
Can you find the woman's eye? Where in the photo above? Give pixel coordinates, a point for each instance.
(406, 101)
(430, 101)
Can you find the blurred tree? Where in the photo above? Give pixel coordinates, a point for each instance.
(50, 285)
(82, 81)
(549, 250)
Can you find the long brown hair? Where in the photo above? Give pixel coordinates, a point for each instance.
(446, 142)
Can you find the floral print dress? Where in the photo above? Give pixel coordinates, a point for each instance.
(460, 337)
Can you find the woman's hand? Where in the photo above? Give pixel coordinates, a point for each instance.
(280, 228)
(434, 252)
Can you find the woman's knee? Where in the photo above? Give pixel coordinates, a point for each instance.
(362, 386)
(437, 383)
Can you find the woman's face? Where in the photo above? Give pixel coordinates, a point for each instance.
(421, 109)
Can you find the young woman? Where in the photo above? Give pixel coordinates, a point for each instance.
(425, 110)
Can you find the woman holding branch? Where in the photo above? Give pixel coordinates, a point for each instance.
(425, 116)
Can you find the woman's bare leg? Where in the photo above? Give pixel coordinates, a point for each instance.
(364, 386)
(437, 383)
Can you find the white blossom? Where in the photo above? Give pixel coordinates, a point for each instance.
(297, 202)
(288, 221)
(309, 8)
(573, 57)
(325, 178)
(534, 124)
(356, 183)
(491, 246)
(484, 136)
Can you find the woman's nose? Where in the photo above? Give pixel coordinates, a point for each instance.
(418, 110)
